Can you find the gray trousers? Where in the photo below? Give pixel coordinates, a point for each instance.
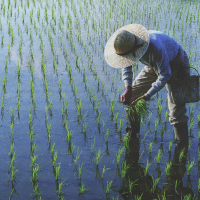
(148, 75)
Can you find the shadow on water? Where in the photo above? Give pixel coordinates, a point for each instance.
(138, 184)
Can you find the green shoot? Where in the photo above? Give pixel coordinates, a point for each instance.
(77, 156)
(170, 146)
(167, 168)
(119, 155)
(159, 155)
(189, 167)
(92, 147)
(80, 168)
(139, 109)
(82, 189)
(107, 135)
(98, 157)
(108, 186)
(104, 170)
(120, 125)
(147, 167)
(150, 146)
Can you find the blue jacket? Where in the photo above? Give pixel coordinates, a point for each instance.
(162, 49)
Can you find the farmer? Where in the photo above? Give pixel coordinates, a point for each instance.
(163, 58)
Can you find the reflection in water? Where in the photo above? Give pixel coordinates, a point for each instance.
(138, 184)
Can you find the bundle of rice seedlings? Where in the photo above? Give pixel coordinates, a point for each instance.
(139, 110)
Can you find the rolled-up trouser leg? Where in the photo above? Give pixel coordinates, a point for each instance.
(141, 85)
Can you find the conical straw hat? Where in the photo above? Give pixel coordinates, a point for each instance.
(126, 45)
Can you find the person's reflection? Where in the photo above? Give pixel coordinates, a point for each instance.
(137, 183)
(173, 188)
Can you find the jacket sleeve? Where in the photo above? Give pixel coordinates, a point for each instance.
(127, 75)
(161, 63)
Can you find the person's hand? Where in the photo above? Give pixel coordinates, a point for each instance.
(127, 95)
(146, 97)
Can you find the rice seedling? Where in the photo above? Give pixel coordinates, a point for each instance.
(147, 167)
(168, 167)
(52, 149)
(92, 147)
(85, 125)
(150, 146)
(54, 159)
(107, 134)
(118, 156)
(155, 182)
(190, 145)
(2, 38)
(59, 191)
(191, 125)
(97, 106)
(103, 171)
(191, 108)
(72, 148)
(48, 126)
(6, 64)
(69, 136)
(82, 189)
(99, 117)
(11, 152)
(166, 115)
(31, 135)
(34, 177)
(137, 197)
(57, 172)
(139, 109)
(2, 105)
(80, 169)
(156, 124)
(116, 116)
(145, 135)
(120, 125)
(112, 106)
(77, 156)
(12, 111)
(159, 155)
(13, 175)
(159, 107)
(170, 146)
(79, 107)
(108, 186)
(125, 167)
(4, 85)
(189, 167)
(33, 160)
(181, 155)
(98, 157)
(9, 50)
(50, 105)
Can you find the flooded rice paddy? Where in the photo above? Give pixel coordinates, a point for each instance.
(62, 126)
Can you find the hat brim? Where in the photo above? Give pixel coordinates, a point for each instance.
(120, 61)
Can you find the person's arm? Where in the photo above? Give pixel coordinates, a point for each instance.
(127, 76)
(164, 73)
